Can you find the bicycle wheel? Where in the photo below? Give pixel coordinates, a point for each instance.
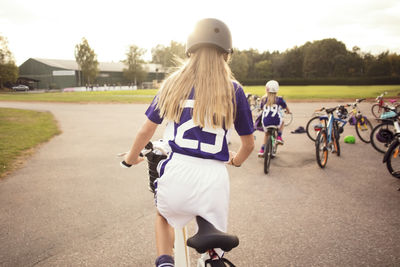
(336, 138)
(393, 159)
(321, 149)
(376, 110)
(267, 154)
(382, 135)
(314, 125)
(287, 118)
(364, 129)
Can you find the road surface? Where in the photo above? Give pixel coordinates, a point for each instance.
(71, 204)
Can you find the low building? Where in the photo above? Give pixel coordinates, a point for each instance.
(58, 73)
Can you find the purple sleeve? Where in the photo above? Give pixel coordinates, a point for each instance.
(153, 113)
(244, 120)
(282, 102)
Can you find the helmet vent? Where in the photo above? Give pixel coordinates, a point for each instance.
(216, 30)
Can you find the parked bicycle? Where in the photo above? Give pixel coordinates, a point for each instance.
(355, 117)
(315, 124)
(378, 108)
(383, 134)
(254, 104)
(392, 156)
(328, 136)
(361, 123)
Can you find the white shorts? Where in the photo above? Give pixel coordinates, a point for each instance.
(191, 187)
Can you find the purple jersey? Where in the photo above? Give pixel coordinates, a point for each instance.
(272, 115)
(188, 139)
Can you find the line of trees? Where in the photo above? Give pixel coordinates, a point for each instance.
(324, 61)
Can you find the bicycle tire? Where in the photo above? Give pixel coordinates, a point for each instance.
(311, 133)
(267, 154)
(287, 118)
(378, 145)
(364, 122)
(393, 156)
(336, 138)
(321, 149)
(376, 110)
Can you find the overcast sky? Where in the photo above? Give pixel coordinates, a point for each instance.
(52, 28)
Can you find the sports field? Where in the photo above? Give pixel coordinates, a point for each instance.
(317, 92)
(303, 93)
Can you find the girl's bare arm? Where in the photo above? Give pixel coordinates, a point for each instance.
(245, 149)
(144, 135)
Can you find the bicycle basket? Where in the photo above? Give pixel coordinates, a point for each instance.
(342, 112)
(352, 120)
(384, 136)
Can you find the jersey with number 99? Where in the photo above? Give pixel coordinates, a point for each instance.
(272, 115)
(210, 143)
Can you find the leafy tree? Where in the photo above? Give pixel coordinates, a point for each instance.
(134, 73)
(239, 65)
(394, 60)
(8, 69)
(87, 61)
(263, 69)
(168, 55)
(319, 57)
(380, 65)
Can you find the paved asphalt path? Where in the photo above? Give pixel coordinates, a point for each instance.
(71, 204)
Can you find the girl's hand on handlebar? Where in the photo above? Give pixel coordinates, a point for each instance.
(127, 163)
(133, 161)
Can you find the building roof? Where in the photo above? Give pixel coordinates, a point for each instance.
(103, 66)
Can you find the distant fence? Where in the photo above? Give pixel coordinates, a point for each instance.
(99, 88)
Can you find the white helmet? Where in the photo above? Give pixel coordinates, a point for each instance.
(272, 86)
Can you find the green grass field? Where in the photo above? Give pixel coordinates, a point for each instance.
(329, 92)
(304, 93)
(21, 130)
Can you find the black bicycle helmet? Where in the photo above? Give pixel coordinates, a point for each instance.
(384, 136)
(210, 32)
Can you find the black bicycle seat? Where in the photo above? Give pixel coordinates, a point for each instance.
(208, 237)
(330, 110)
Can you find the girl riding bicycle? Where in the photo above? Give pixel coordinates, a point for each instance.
(200, 101)
(272, 106)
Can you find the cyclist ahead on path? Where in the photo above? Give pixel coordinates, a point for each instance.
(272, 107)
(200, 101)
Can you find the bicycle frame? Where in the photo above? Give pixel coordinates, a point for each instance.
(329, 124)
(273, 133)
(181, 250)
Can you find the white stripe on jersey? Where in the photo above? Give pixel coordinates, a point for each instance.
(189, 103)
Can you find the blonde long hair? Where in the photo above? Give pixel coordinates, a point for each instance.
(209, 74)
(271, 98)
